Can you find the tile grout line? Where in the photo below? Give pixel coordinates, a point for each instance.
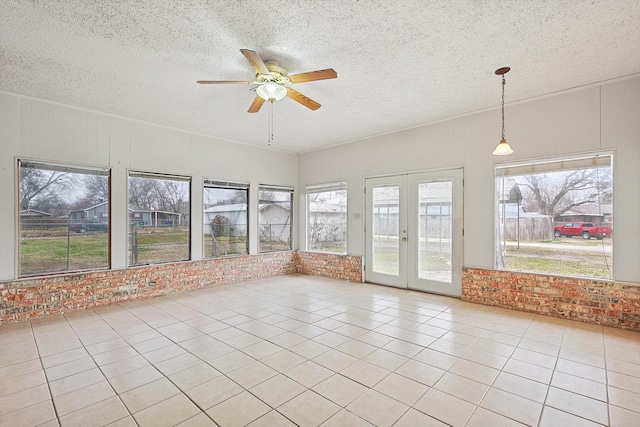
(99, 367)
(44, 371)
(553, 372)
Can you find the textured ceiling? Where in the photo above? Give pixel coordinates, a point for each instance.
(400, 64)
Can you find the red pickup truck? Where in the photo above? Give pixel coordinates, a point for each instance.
(584, 229)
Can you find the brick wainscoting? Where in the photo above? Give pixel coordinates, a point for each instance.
(607, 303)
(342, 267)
(40, 296)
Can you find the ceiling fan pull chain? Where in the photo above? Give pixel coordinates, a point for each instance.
(270, 121)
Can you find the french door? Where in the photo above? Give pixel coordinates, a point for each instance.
(414, 231)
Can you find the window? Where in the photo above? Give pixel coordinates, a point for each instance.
(327, 218)
(64, 221)
(226, 217)
(556, 217)
(274, 218)
(159, 218)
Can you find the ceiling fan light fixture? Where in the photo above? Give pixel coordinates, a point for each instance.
(271, 91)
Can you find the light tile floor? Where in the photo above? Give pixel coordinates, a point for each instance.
(306, 351)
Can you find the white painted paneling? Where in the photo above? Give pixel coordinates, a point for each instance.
(559, 125)
(82, 141)
(197, 223)
(44, 131)
(10, 108)
(26, 133)
(62, 143)
(564, 124)
(578, 121)
(621, 130)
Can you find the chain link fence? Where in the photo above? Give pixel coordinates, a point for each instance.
(155, 244)
(225, 240)
(57, 245)
(274, 237)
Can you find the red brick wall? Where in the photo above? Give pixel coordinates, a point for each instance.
(39, 296)
(342, 267)
(600, 302)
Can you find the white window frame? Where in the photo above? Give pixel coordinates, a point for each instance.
(226, 185)
(601, 159)
(280, 189)
(343, 223)
(60, 167)
(158, 176)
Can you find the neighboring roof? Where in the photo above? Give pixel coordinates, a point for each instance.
(33, 212)
(389, 195)
(327, 208)
(511, 211)
(237, 207)
(134, 208)
(137, 209)
(284, 206)
(577, 213)
(90, 207)
(593, 210)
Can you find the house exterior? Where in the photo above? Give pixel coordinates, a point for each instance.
(601, 214)
(275, 221)
(32, 218)
(152, 217)
(95, 213)
(235, 213)
(328, 220)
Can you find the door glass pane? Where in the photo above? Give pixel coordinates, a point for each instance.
(386, 228)
(435, 224)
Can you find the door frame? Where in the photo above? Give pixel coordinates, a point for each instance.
(408, 277)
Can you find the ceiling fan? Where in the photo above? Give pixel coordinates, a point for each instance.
(273, 82)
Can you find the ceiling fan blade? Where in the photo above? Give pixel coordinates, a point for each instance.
(255, 105)
(310, 76)
(302, 99)
(255, 60)
(221, 82)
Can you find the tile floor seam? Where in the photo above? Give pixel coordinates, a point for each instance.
(35, 341)
(117, 395)
(606, 378)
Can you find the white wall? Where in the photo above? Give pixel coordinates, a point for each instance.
(597, 118)
(39, 130)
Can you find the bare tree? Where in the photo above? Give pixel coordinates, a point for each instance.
(559, 192)
(42, 189)
(96, 188)
(170, 195)
(142, 192)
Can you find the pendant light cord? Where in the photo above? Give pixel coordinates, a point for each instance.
(503, 83)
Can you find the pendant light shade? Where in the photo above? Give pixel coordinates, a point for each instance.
(503, 147)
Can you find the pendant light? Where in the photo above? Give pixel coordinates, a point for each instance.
(503, 147)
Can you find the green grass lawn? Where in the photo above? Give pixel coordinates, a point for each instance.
(558, 261)
(226, 245)
(46, 254)
(162, 244)
(40, 254)
(386, 261)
